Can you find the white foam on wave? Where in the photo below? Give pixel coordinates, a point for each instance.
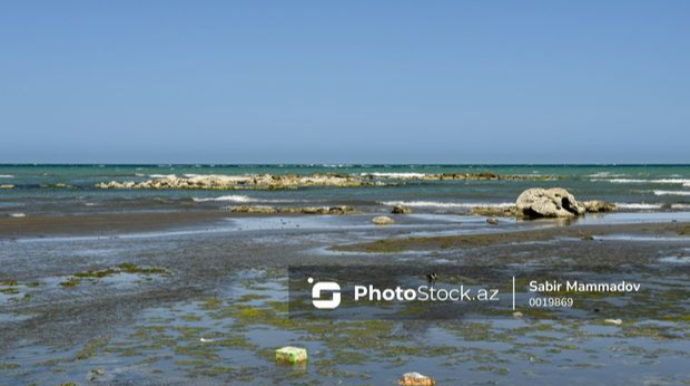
(231, 198)
(6, 176)
(439, 204)
(604, 174)
(395, 175)
(672, 192)
(17, 215)
(236, 198)
(643, 181)
(162, 175)
(675, 259)
(637, 205)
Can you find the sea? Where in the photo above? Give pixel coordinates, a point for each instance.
(69, 189)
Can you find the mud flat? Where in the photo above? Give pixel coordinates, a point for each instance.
(103, 224)
(585, 232)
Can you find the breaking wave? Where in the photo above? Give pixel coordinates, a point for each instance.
(395, 175)
(672, 192)
(235, 198)
(642, 181)
(638, 206)
(231, 198)
(439, 204)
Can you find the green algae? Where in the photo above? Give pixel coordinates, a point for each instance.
(122, 268)
(93, 275)
(91, 348)
(71, 282)
(9, 366)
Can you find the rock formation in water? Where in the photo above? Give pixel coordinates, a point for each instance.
(556, 202)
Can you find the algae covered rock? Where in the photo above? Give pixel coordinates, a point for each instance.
(383, 220)
(253, 209)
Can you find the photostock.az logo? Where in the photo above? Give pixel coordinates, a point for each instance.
(329, 286)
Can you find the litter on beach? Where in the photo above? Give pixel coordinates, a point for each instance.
(416, 379)
(617, 322)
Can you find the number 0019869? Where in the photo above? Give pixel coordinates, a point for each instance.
(551, 302)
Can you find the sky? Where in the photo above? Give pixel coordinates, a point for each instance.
(345, 82)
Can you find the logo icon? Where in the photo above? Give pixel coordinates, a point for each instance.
(325, 286)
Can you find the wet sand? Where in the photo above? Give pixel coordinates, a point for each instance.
(584, 232)
(104, 224)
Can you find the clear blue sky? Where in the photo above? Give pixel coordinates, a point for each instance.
(349, 81)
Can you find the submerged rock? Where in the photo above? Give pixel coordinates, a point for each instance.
(253, 209)
(401, 209)
(492, 221)
(416, 379)
(493, 211)
(383, 220)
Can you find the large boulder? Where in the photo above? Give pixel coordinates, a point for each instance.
(554, 202)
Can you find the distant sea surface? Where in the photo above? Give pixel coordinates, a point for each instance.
(632, 187)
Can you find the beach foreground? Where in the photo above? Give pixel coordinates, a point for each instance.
(178, 298)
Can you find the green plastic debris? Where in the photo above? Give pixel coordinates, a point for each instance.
(291, 355)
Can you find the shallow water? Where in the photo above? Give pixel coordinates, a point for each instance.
(634, 188)
(232, 336)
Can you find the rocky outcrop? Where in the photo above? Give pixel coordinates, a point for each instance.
(264, 181)
(383, 220)
(264, 209)
(292, 181)
(401, 209)
(556, 202)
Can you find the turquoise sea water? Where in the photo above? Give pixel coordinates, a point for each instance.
(633, 187)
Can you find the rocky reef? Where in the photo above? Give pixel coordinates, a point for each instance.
(484, 176)
(222, 182)
(292, 181)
